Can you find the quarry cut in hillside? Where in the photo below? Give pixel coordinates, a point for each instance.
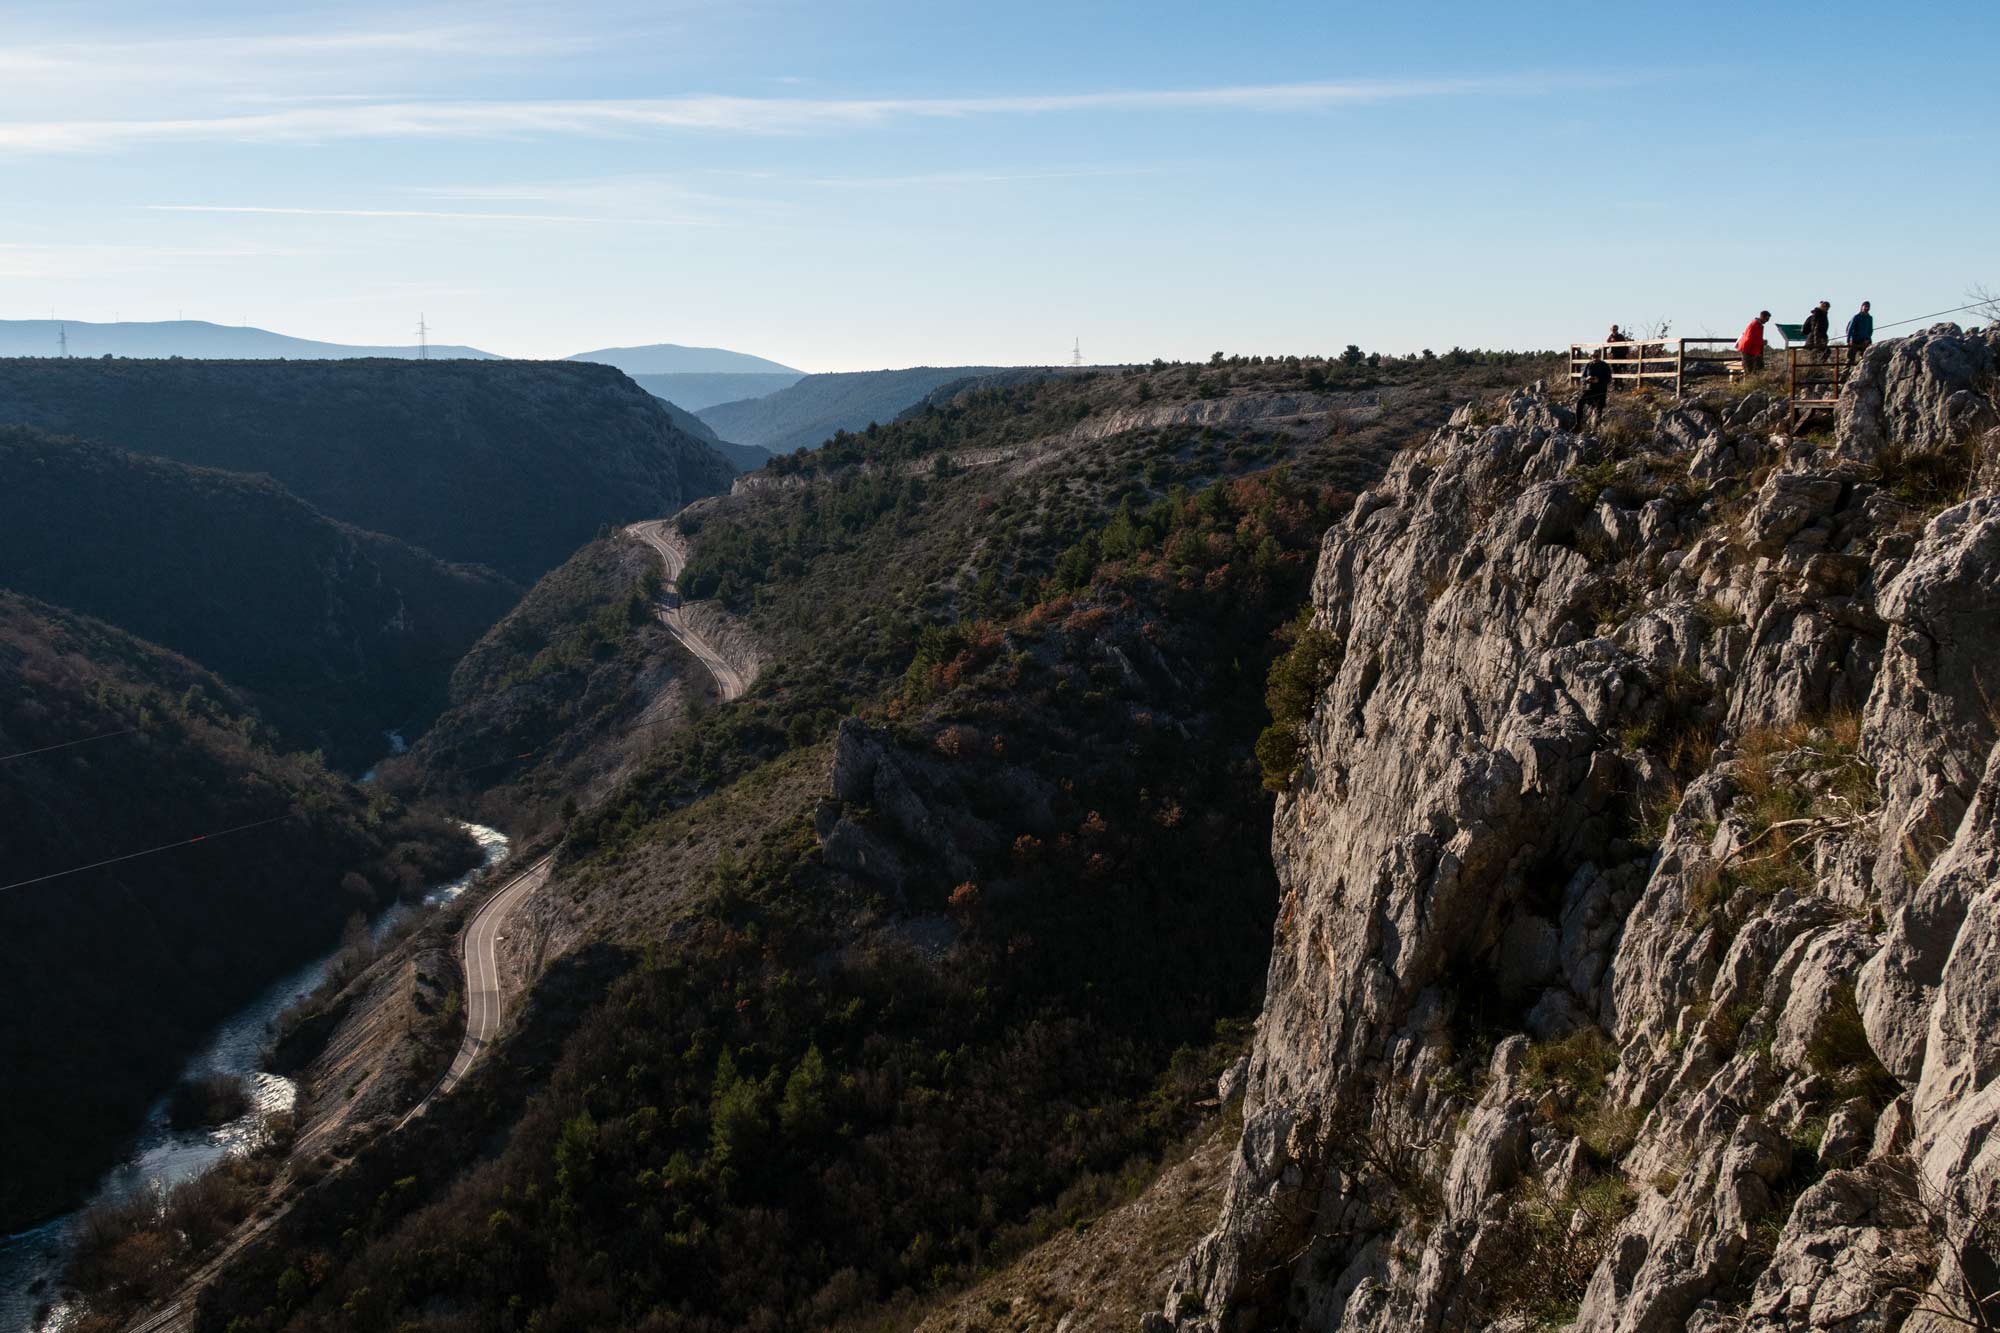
(1639, 933)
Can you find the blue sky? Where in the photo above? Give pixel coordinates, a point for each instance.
(847, 186)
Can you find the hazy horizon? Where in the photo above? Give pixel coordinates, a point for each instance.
(862, 186)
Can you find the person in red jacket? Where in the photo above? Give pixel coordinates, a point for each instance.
(1751, 344)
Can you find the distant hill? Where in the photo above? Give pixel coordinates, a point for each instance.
(745, 457)
(118, 972)
(673, 359)
(192, 338)
(808, 412)
(510, 464)
(695, 392)
(343, 633)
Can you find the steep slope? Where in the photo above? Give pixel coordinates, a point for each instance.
(697, 391)
(560, 697)
(508, 464)
(674, 359)
(744, 457)
(190, 338)
(912, 956)
(344, 634)
(112, 975)
(1635, 959)
(803, 414)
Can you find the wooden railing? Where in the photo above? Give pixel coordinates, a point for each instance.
(1814, 378)
(1660, 361)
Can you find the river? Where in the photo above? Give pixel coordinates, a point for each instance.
(31, 1262)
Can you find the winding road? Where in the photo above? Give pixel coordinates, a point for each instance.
(659, 534)
(485, 993)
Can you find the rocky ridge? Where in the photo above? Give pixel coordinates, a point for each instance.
(1637, 955)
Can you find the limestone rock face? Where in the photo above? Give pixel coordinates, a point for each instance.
(1638, 957)
(1922, 393)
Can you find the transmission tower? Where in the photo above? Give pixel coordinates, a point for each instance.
(1076, 354)
(423, 339)
(62, 338)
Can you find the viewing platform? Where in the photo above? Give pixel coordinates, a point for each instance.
(1814, 376)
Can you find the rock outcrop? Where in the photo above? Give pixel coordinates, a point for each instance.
(1638, 961)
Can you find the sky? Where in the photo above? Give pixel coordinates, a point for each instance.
(844, 186)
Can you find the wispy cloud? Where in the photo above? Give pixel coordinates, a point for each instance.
(971, 177)
(426, 214)
(61, 259)
(230, 60)
(729, 114)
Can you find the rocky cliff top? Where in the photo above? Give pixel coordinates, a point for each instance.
(1637, 955)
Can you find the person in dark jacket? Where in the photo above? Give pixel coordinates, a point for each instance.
(1596, 387)
(1818, 324)
(1617, 335)
(1860, 332)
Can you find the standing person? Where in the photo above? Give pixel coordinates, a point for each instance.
(1818, 326)
(1596, 386)
(1751, 344)
(1617, 335)
(1860, 332)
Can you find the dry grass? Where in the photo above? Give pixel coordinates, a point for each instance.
(1553, 1244)
(1796, 784)
(1109, 1274)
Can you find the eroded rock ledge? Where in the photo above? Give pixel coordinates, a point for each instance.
(1638, 965)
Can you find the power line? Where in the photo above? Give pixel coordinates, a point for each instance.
(150, 851)
(1975, 305)
(64, 745)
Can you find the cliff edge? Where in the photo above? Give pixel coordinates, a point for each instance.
(1638, 956)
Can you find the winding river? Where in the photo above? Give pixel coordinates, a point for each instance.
(31, 1262)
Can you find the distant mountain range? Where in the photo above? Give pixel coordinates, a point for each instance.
(804, 414)
(673, 359)
(194, 338)
(749, 406)
(697, 391)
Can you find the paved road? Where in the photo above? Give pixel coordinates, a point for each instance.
(485, 1000)
(660, 535)
(484, 1009)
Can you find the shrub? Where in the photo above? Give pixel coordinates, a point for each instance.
(207, 1101)
(1298, 678)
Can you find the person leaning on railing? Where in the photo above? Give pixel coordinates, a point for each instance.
(1751, 344)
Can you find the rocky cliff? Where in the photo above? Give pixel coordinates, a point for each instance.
(1638, 957)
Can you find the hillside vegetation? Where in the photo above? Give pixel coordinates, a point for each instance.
(131, 964)
(571, 686)
(507, 464)
(934, 943)
(807, 412)
(341, 634)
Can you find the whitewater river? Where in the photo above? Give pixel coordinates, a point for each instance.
(31, 1262)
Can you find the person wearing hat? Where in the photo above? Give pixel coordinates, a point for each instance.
(1751, 344)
